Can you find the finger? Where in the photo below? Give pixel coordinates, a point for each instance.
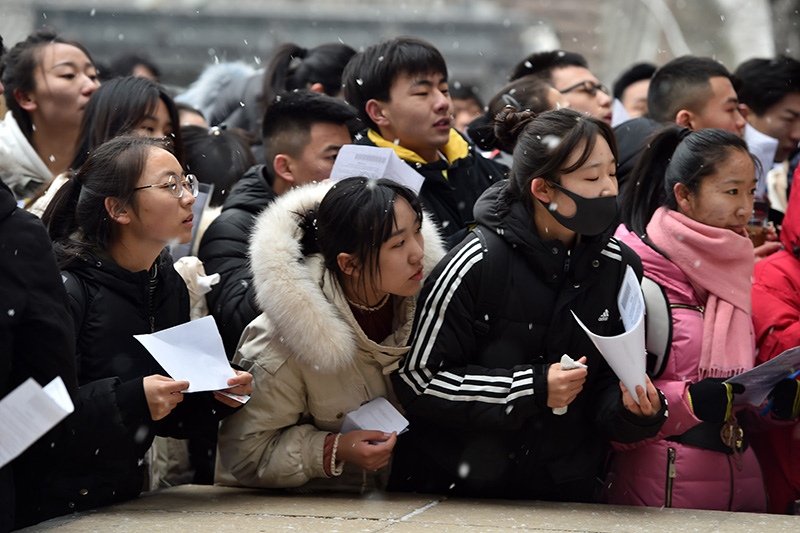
(177, 386)
(582, 360)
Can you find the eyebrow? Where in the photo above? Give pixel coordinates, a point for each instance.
(423, 81)
(72, 64)
(333, 147)
(792, 112)
(599, 164)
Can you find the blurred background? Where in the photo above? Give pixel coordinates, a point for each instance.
(481, 39)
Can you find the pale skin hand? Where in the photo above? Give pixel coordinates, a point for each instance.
(649, 404)
(371, 450)
(163, 394)
(241, 385)
(563, 386)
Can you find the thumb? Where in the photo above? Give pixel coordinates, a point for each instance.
(582, 360)
(179, 386)
(376, 436)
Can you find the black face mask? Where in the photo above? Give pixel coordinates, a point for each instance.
(592, 215)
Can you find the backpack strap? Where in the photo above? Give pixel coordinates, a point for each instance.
(658, 326)
(488, 300)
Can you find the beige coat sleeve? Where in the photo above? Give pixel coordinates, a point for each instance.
(266, 444)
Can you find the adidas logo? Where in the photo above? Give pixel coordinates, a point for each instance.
(603, 316)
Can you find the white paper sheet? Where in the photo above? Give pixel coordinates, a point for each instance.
(626, 353)
(193, 352)
(378, 414)
(374, 163)
(763, 147)
(28, 412)
(759, 381)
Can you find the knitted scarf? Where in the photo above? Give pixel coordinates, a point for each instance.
(719, 265)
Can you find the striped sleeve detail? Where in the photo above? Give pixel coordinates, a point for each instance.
(496, 389)
(612, 250)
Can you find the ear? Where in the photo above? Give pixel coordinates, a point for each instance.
(347, 263)
(116, 210)
(541, 190)
(684, 118)
(282, 164)
(377, 113)
(25, 100)
(682, 197)
(317, 88)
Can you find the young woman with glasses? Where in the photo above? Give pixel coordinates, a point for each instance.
(110, 227)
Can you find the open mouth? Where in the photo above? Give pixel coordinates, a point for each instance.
(189, 219)
(418, 275)
(443, 123)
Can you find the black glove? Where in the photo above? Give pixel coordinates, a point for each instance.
(785, 398)
(712, 399)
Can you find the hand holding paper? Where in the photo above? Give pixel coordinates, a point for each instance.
(192, 352)
(562, 386)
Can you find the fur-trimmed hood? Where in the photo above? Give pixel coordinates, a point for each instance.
(290, 288)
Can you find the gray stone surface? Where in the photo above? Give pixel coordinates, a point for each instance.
(192, 508)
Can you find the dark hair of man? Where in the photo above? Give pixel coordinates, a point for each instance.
(543, 144)
(356, 216)
(458, 91)
(637, 72)
(293, 67)
(289, 117)
(125, 64)
(78, 220)
(217, 155)
(542, 64)
(371, 74)
(762, 83)
(674, 155)
(118, 107)
(19, 67)
(683, 83)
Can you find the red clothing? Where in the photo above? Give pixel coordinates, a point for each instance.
(776, 318)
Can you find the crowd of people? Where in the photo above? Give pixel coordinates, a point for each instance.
(457, 303)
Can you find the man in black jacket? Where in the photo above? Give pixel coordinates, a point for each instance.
(303, 132)
(400, 90)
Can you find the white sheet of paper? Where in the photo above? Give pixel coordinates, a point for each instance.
(28, 412)
(378, 414)
(618, 113)
(626, 353)
(374, 163)
(759, 381)
(193, 352)
(763, 147)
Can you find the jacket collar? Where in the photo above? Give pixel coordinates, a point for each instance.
(455, 149)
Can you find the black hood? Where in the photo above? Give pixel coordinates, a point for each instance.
(253, 192)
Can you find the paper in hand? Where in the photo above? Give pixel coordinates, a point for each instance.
(626, 353)
(759, 381)
(192, 352)
(378, 414)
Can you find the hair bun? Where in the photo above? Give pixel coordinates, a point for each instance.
(508, 124)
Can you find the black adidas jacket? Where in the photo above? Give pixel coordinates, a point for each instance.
(480, 425)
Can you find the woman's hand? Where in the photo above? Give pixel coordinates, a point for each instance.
(241, 385)
(649, 404)
(563, 386)
(163, 394)
(371, 450)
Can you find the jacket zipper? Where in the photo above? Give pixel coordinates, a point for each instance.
(566, 262)
(670, 476)
(687, 306)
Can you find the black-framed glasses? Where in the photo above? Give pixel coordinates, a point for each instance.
(176, 185)
(589, 87)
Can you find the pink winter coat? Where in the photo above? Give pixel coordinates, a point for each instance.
(663, 473)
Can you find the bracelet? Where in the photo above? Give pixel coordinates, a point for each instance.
(336, 470)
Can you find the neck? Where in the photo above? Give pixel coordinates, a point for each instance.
(548, 228)
(55, 146)
(134, 256)
(364, 299)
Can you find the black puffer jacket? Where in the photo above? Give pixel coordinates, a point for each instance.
(477, 403)
(224, 250)
(450, 188)
(102, 464)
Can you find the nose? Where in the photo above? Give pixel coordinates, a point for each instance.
(740, 122)
(443, 103)
(417, 251)
(610, 186)
(603, 100)
(90, 86)
(794, 135)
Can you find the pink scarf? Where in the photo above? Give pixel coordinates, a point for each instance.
(719, 265)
